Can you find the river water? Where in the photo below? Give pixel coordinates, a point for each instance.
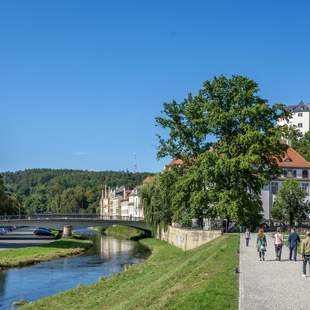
(108, 256)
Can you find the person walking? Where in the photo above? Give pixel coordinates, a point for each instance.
(293, 240)
(261, 244)
(247, 237)
(305, 252)
(278, 243)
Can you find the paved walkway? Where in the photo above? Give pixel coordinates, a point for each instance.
(271, 284)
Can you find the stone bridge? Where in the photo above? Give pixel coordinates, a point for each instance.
(77, 221)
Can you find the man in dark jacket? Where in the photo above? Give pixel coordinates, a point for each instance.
(293, 240)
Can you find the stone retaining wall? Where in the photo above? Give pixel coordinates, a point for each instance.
(187, 239)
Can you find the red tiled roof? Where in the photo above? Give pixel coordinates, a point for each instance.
(174, 162)
(292, 159)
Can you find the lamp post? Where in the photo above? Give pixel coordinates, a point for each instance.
(226, 225)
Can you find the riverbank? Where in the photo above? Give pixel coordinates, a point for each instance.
(35, 254)
(170, 279)
(121, 232)
(124, 232)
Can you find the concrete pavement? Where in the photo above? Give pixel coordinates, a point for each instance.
(270, 284)
(22, 237)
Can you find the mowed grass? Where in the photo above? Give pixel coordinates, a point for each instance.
(35, 254)
(124, 232)
(170, 279)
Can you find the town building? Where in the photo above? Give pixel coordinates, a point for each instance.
(300, 117)
(120, 202)
(293, 166)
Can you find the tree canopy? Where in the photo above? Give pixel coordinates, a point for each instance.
(228, 138)
(289, 205)
(301, 143)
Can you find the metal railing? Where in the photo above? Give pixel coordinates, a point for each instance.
(69, 217)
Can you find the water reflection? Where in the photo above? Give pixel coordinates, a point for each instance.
(107, 257)
(2, 283)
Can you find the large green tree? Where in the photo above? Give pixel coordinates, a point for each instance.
(228, 133)
(156, 194)
(290, 205)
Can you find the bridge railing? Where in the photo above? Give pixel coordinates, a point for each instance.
(69, 217)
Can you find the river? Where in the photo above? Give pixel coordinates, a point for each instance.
(108, 256)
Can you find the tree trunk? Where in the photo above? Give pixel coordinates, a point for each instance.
(291, 219)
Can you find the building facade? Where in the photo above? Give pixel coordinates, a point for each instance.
(120, 202)
(300, 117)
(293, 166)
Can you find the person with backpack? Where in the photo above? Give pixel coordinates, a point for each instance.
(278, 243)
(293, 240)
(305, 252)
(261, 244)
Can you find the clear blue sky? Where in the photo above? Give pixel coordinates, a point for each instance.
(81, 81)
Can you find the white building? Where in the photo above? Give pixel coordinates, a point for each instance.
(294, 166)
(300, 117)
(120, 202)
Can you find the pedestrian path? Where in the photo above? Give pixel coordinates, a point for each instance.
(269, 284)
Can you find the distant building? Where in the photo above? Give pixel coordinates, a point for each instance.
(300, 117)
(295, 167)
(177, 162)
(120, 202)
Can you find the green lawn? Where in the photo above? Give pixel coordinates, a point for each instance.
(170, 279)
(124, 232)
(35, 254)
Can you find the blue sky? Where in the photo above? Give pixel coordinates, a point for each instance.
(82, 81)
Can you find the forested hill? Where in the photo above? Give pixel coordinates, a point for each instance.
(63, 191)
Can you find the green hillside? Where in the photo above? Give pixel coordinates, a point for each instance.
(61, 190)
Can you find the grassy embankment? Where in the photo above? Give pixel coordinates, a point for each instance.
(122, 232)
(35, 254)
(170, 279)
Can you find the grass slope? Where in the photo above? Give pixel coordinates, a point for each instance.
(35, 254)
(170, 279)
(124, 232)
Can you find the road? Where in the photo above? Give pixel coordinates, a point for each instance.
(22, 237)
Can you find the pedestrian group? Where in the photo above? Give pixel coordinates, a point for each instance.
(293, 241)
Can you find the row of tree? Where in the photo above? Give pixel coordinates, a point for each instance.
(229, 143)
(9, 203)
(61, 191)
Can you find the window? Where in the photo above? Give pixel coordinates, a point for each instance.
(291, 173)
(274, 188)
(285, 173)
(305, 174)
(299, 113)
(305, 187)
(299, 125)
(266, 187)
